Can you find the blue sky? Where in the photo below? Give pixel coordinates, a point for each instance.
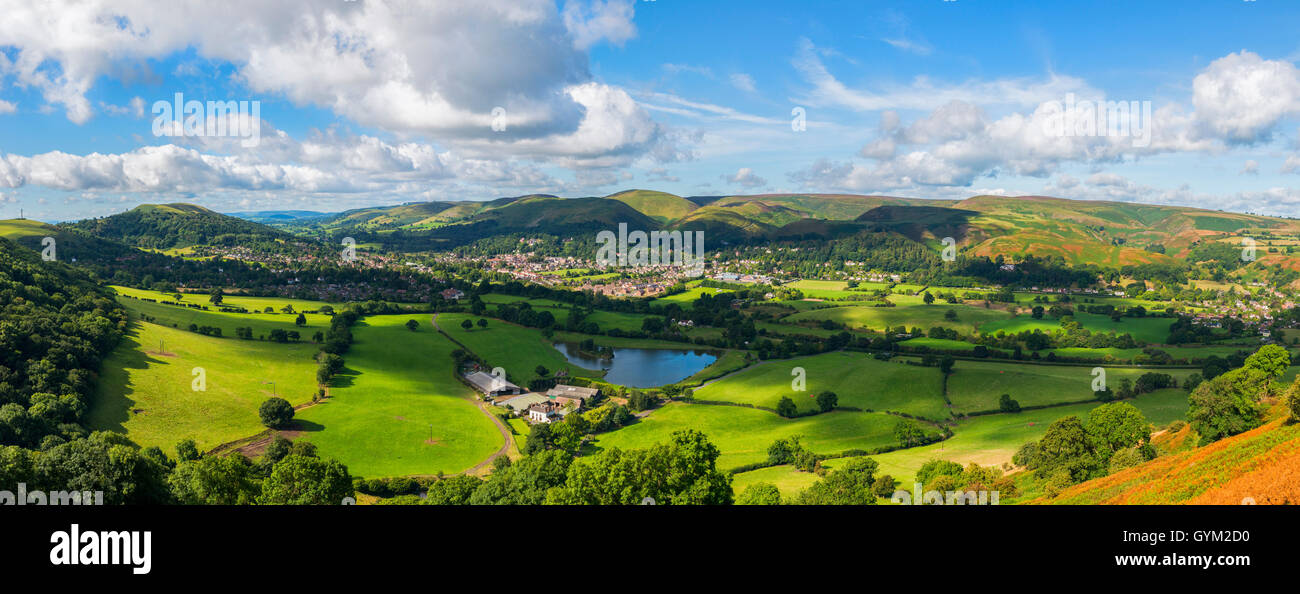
(370, 102)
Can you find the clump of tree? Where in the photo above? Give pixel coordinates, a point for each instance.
(1072, 451)
(275, 412)
(1230, 403)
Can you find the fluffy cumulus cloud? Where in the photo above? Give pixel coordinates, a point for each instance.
(446, 70)
(745, 178)
(1241, 97)
(1238, 99)
(490, 91)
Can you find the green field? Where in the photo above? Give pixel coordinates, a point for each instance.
(150, 396)
(744, 434)
(517, 349)
(1153, 330)
(261, 323)
(820, 289)
(924, 316)
(687, 297)
(992, 439)
(396, 394)
(859, 380)
(975, 386)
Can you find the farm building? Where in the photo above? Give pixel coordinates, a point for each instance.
(546, 412)
(564, 394)
(491, 386)
(521, 403)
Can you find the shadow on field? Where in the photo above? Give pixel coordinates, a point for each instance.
(113, 404)
(305, 426)
(344, 378)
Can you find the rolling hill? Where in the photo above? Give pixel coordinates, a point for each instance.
(660, 206)
(168, 226)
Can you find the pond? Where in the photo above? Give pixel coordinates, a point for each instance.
(642, 368)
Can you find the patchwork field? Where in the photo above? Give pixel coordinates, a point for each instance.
(1153, 330)
(397, 409)
(992, 439)
(744, 434)
(857, 379)
(969, 317)
(262, 323)
(516, 348)
(975, 386)
(149, 395)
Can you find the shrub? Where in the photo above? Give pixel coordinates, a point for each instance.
(275, 412)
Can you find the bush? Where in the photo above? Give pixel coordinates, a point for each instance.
(275, 412)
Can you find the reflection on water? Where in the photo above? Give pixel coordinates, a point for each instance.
(642, 368)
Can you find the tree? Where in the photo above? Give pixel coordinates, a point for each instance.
(186, 450)
(1007, 404)
(1228, 404)
(1066, 447)
(482, 323)
(1114, 427)
(759, 494)
(215, 480)
(1270, 359)
(300, 480)
(884, 486)
(827, 400)
(853, 485)
(1292, 401)
(681, 472)
(907, 433)
(467, 325)
(786, 407)
(275, 412)
(216, 296)
(541, 371)
(936, 468)
(946, 363)
(927, 298)
(301, 320)
(412, 325)
(526, 481)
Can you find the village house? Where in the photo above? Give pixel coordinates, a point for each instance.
(491, 386)
(546, 412)
(565, 394)
(452, 294)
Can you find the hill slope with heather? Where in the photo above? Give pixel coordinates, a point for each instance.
(1261, 465)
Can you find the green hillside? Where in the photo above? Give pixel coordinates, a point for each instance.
(168, 226)
(660, 206)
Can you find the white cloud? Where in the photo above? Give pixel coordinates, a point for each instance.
(1250, 167)
(434, 69)
(745, 178)
(609, 20)
(7, 107)
(743, 82)
(923, 93)
(1241, 97)
(1292, 164)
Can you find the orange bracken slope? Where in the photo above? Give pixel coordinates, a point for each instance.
(1261, 465)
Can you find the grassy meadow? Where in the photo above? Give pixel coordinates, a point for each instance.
(397, 409)
(149, 395)
(744, 434)
(856, 378)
